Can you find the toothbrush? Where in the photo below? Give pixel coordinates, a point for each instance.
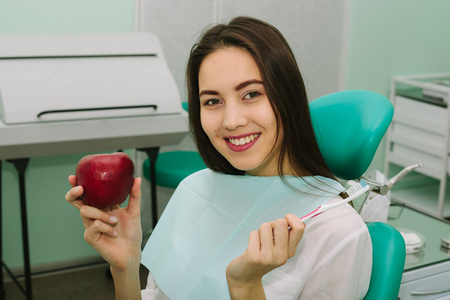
(348, 195)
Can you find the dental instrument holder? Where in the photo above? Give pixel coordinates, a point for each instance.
(384, 188)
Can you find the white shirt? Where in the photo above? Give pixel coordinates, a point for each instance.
(333, 261)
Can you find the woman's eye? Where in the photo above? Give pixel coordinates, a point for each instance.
(211, 102)
(251, 95)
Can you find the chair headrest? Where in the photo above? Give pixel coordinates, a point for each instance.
(349, 126)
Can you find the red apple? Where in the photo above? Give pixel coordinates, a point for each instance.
(106, 178)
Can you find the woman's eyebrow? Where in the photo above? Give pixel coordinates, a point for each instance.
(208, 92)
(237, 88)
(246, 83)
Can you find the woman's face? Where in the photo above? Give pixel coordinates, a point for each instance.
(235, 112)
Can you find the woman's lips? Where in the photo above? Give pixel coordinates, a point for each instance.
(243, 142)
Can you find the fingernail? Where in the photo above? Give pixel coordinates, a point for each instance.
(113, 219)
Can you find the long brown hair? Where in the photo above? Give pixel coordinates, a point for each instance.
(284, 87)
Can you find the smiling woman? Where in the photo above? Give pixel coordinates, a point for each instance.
(258, 61)
(249, 115)
(224, 235)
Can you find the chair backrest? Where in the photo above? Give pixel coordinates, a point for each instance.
(349, 126)
(388, 262)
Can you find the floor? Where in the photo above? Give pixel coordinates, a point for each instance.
(88, 283)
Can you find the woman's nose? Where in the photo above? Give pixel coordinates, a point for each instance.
(234, 117)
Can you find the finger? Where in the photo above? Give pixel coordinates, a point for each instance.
(280, 234)
(134, 203)
(296, 232)
(73, 196)
(280, 241)
(91, 214)
(254, 243)
(97, 228)
(266, 237)
(72, 180)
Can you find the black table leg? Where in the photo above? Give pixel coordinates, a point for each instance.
(21, 166)
(2, 287)
(152, 154)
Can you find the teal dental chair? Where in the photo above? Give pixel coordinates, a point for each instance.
(172, 167)
(349, 126)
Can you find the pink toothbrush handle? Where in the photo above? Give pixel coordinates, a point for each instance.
(311, 214)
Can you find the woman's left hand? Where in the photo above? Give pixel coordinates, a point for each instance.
(268, 248)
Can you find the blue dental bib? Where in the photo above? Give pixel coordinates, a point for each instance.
(207, 222)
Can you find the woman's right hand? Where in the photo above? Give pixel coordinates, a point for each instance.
(268, 248)
(114, 232)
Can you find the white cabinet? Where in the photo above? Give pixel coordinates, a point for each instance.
(431, 282)
(420, 133)
(426, 273)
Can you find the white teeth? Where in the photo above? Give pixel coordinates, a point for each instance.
(243, 141)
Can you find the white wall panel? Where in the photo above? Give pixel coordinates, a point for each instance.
(177, 25)
(314, 29)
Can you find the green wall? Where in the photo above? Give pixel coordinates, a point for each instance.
(26, 16)
(55, 227)
(401, 37)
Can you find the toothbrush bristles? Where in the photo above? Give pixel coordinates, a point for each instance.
(354, 189)
(357, 187)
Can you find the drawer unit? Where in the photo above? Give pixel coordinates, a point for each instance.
(435, 286)
(426, 273)
(420, 133)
